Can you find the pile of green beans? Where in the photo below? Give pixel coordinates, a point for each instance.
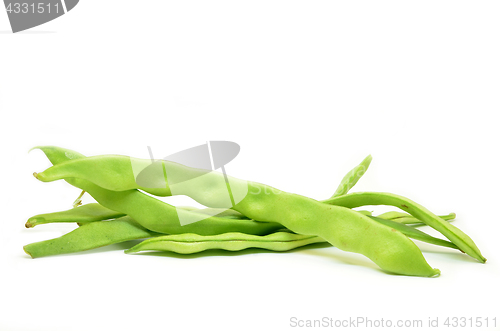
(264, 218)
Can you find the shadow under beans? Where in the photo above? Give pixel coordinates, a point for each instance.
(351, 259)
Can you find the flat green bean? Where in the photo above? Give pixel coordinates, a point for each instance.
(90, 236)
(91, 212)
(414, 233)
(151, 213)
(406, 218)
(188, 243)
(123, 178)
(342, 227)
(455, 235)
(352, 177)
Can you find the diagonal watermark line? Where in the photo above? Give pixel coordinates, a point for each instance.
(63, 2)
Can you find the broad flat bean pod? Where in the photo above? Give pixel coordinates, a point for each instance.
(406, 218)
(184, 243)
(455, 235)
(94, 212)
(414, 233)
(59, 155)
(352, 177)
(342, 227)
(189, 243)
(126, 229)
(151, 213)
(89, 236)
(91, 212)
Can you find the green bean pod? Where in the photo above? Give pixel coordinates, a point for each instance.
(189, 243)
(91, 212)
(352, 177)
(94, 212)
(412, 232)
(393, 215)
(455, 235)
(115, 172)
(89, 236)
(342, 227)
(405, 218)
(151, 213)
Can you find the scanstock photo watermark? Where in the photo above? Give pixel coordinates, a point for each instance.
(26, 14)
(463, 323)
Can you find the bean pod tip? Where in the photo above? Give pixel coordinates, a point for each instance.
(24, 248)
(437, 272)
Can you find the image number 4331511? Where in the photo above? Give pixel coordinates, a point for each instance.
(26, 14)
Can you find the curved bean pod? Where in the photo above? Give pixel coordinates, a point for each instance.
(151, 213)
(188, 243)
(398, 223)
(393, 215)
(91, 212)
(455, 235)
(409, 231)
(89, 236)
(414, 233)
(406, 218)
(344, 228)
(416, 223)
(352, 177)
(191, 243)
(112, 172)
(115, 173)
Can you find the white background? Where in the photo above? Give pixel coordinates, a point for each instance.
(308, 89)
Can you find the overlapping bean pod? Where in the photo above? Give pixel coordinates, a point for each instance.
(95, 212)
(116, 174)
(91, 235)
(343, 227)
(210, 198)
(152, 213)
(185, 243)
